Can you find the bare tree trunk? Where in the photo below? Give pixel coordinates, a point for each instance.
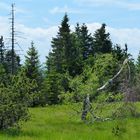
(86, 107)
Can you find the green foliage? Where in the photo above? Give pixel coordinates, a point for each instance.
(61, 48)
(53, 88)
(102, 41)
(86, 41)
(14, 99)
(3, 76)
(127, 109)
(66, 55)
(68, 98)
(78, 64)
(109, 97)
(76, 58)
(33, 72)
(86, 83)
(26, 86)
(105, 67)
(120, 128)
(6, 59)
(119, 53)
(32, 64)
(8, 62)
(75, 52)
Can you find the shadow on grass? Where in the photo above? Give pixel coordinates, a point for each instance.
(15, 132)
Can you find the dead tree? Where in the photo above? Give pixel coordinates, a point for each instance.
(87, 107)
(13, 39)
(1, 50)
(86, 103)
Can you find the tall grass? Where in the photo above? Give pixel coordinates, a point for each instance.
(63, 123)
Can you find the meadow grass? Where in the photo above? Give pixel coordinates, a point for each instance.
(61, 122)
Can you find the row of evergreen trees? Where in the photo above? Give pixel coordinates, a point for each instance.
(78, 64)
(75, 54)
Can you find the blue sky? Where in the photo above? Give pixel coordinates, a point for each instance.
(46, 13)
(38, 20)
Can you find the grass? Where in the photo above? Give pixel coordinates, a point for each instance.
(62, 123)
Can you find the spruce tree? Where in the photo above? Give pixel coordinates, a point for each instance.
(119, 53)
(66, 51)
(61, 47)
(32, 64)
(86, 41)
(102, 42)
(33, 72)
(59, 62)
(53, 87)
(49, 63)
(76, 57)
(8, 62)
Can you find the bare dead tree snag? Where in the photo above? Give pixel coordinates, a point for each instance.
(13, 39)
(86, 103)
(1, 50)
(86, 107)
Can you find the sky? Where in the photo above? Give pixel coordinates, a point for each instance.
(38, 21)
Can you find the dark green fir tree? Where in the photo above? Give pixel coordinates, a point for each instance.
(102, 41)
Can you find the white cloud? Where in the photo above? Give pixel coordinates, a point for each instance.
(41, 37)
(4, 26)
(131, 36)
(132, 6)
(26, 0)
(120, 3)
(64, 9)
(94, 2)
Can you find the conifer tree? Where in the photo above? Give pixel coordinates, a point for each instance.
(59, 62)
(32, 64)
(102, 42)
(86, 41)
(61, 47)
(119, 53)
(33, 72)
(76, 57)
(8, 62)
(49, 63)
(14, 99)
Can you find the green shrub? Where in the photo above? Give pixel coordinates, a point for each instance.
(86, 83)
(66, 98)
(127, 109)
(14, 100)
(109, 97)
(12, 110)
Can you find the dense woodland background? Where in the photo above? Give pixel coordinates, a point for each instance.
(78, 64)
